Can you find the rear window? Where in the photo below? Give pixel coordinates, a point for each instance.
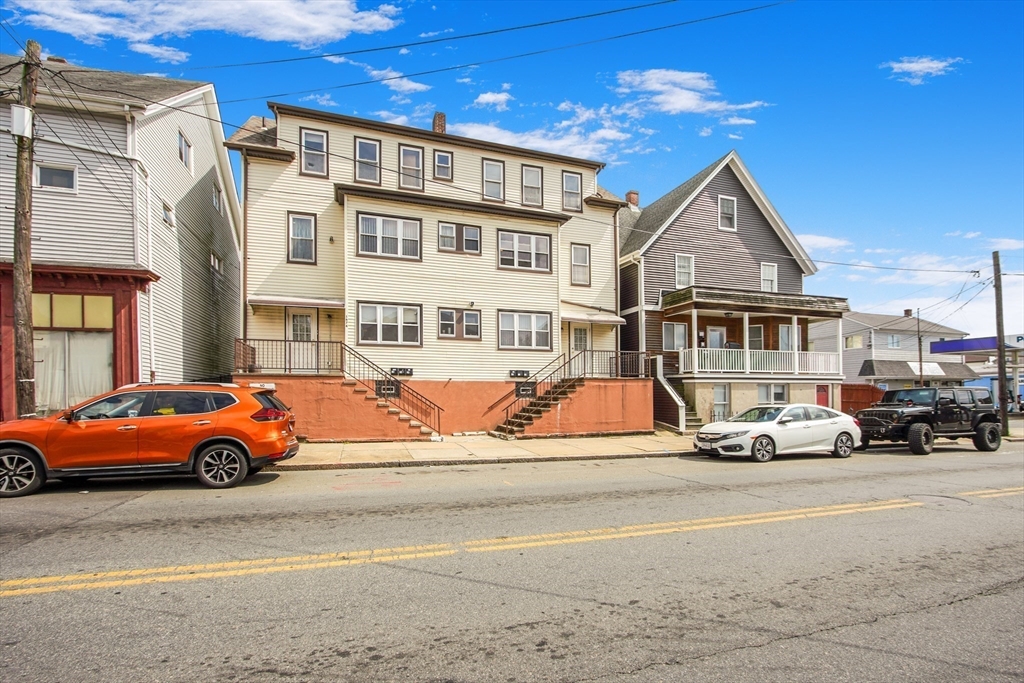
(222, 400)
(268, 400)
(984, 397)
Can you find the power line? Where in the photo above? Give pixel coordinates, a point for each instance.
(432, 41)
(4, 24)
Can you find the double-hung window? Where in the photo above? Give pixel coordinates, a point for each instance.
(389, 324)
(216, 262)
(581, 264)
(769, 277)
(787, 340)
(314, 152)
(572, 191)
(772, 394)
(673, 336)
(218, 199)
(894, 341)
(756, 335)
(726, 213)
(684, 271)
(463, 239)
(411, 173)
(442, 165)
(854, 341)
(391, 237)
(524, 330)
(168, 214)
(533, 185)
(494, 180)
(524, 251)
(367, 161)
(454, 323)
(56, 177)
(301, 238)
(184, 150)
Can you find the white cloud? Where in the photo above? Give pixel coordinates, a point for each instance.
(955, 233)
(971, 235)
(404, 51)
(704, 132)
(400, 99)
(914, 70)
(678, 92)
(572, 143)
(299, 22)
(1005, 244)
(737, 121)
(431, 34)
(496, 100)
(391, 117)
(161, 53)
(822, 242)
(389, 77)
(155, 74)
(735, 136)
(464, 81)
(506, 86)
(882, 250)
(324, 100)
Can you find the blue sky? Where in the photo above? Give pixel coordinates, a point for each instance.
(884, 133)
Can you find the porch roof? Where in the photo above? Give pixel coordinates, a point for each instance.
(296, 301)
(581, 314)
(737, 300)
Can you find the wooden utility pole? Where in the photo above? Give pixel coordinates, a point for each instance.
(1004, 396)
(24, 352)
(920, 351)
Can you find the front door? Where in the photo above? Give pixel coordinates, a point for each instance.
(948, 410)
(103, 434)
(580, 342)
(716, 337)
(301, 333)
(821, 395)
(171, 428)
(966, 402)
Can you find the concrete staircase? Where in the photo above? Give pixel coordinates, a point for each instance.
(416, 428)
(517, 424)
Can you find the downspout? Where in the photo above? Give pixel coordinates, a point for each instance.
(149, 257)
(615, 265)
(245, 245)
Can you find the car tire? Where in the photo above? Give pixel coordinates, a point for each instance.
(762, 450)
(863, 445)
(987, 437)
(921, 438)
(843, 447)
(221, 466)
(21, 473)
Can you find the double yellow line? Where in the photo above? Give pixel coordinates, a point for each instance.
(272, 565)
(994, 493)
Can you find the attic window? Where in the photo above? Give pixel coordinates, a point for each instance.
(184, 150)
(726, 213)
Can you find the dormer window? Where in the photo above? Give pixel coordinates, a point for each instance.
(367, 161)
(726, 213)
(572, 191)
(442, 165)
(314, 152)
(411, 175)
(184, 150)
(494, 180)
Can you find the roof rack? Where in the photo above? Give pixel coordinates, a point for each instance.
(177, 384)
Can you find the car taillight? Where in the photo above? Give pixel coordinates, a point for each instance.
(269, 415)
(856, 422)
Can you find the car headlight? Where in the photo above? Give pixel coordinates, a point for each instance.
(733, 435)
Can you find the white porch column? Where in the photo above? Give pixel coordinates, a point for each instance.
(693, 338)
(794, 342)
(839, 343)
(746, 342)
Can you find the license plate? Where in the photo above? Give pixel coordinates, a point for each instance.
(703, 444)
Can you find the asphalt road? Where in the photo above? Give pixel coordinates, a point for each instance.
(882, 567)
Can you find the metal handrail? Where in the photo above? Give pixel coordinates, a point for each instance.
(531, 378)
(378, 380)
(542, 388)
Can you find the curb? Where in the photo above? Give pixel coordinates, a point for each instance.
(389, 464)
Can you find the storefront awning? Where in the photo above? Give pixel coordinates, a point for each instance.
(580, 314)
(295, 301)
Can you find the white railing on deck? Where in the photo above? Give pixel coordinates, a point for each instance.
(771, 361)
(761, 362)
(720, 360)
(685, 360)
(819, 363)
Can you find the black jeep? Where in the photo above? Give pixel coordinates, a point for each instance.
(917, 416)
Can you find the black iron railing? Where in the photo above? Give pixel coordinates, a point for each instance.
(334, 358)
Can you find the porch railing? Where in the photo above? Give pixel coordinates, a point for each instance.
(722, 361)
(283, 356)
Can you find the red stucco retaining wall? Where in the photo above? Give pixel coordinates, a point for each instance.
(601, 406)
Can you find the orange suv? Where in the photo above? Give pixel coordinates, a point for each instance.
(220, 432)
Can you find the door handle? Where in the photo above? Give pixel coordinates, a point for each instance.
(807, 426)
(200, 423)
(127, 428)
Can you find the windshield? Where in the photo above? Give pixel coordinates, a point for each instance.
(759, 414)
(913, 395)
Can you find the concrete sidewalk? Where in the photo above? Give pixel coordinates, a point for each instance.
(486, 450)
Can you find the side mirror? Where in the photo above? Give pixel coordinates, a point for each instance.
(785, 420)
(68, 415)
(945, 401)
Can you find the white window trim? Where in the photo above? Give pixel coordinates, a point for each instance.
(303, 152)
(533, 252)
(454, 236)
(380, 237)
(216, 262)
(380, 325)
(515, 330)
(573, 264)
(539, 188)
(565, 207)
(693, 265)
(664, 337)
(889, 340)
(771, 395)
(774, 267)
(454, 323)
(450, 166)
(190, 163)
(60, 167)
(403, 176)
(479, 325)
(735, 213)
(793, 341)
(479, 239)
(291, 225)
(484, 181)
(376, 165)
(750, 336)
(167, 208)
(218, 199)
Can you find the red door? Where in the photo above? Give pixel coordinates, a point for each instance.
(821, 395)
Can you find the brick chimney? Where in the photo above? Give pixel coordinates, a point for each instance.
(439, 122)
(633, 197)
(55, 58)
(908, 312)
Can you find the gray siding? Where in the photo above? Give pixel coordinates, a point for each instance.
(721, 258)
(628, 286)
(629, 337)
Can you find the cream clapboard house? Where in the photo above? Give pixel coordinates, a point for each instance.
(430, 271)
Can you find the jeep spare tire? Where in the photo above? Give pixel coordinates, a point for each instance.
(987, 437)
(921, 438)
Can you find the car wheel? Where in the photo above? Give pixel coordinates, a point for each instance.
(763, 449)
(987, 437)
(921, 438)
(221, 466)
(253, 470)
(843, 447)
(863, 445)
(21, 473)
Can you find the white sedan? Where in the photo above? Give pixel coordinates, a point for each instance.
(762, 432)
